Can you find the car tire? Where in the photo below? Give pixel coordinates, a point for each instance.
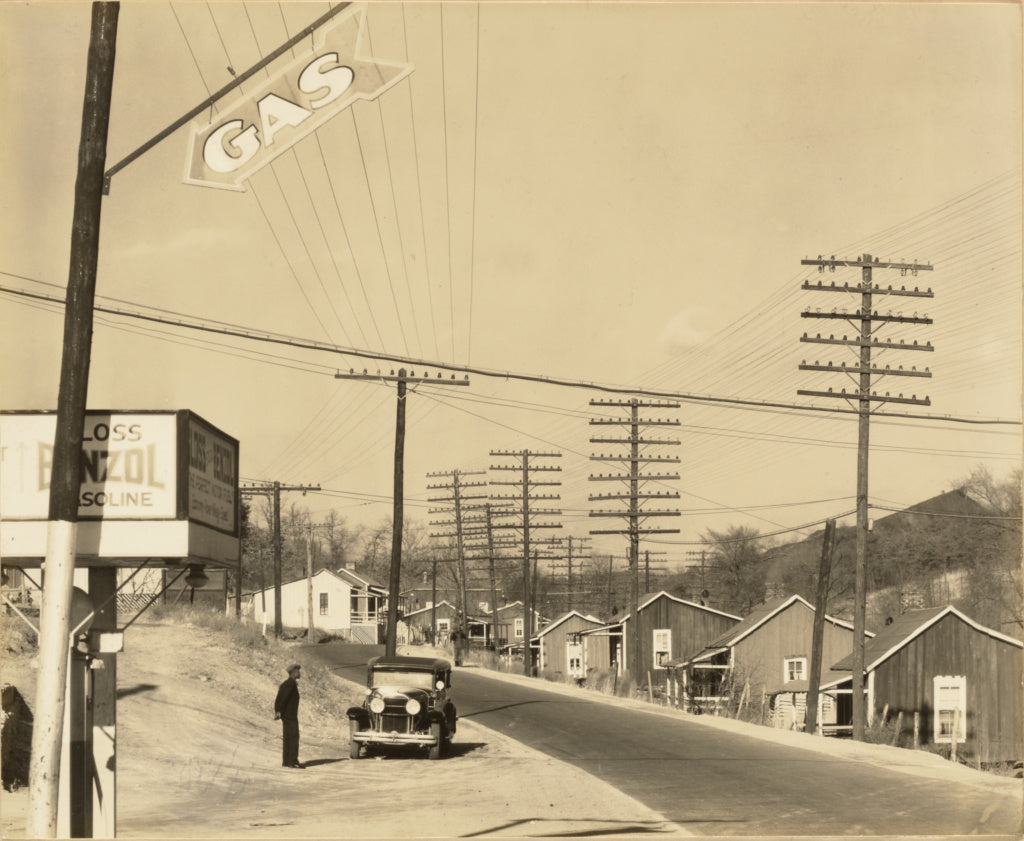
(353, 745)
(435, 749)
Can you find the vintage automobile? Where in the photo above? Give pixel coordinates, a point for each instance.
(408, 703)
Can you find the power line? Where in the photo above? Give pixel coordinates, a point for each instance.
(259, 336)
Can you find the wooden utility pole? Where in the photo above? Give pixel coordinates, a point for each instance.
(455, 500)
(65, 477)
(433, 600)
(634, 513)
(403, 379)
(272, 492)
(395, 577)
(309, 584)
(574, 563)
(493, 579)
(818, 632)
(481, 545)
(647, 569)
(864, 320)
(526, 511)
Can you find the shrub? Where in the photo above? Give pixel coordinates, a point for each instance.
(484, 658)
(16, 637)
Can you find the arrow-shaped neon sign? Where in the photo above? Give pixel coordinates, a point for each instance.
(255, 129)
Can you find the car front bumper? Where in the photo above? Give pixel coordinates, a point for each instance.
(393, 738)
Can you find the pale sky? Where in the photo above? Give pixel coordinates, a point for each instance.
(605, 193)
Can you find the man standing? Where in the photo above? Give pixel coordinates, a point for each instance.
(286, 708)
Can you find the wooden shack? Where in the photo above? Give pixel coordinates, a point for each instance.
(952, 676)
(766, 654)
(559, 647)
(669, 627)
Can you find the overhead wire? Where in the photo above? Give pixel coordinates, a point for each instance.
(419, 191)
(398, 219)
(472, 235)
(380, 235)
(447, 185)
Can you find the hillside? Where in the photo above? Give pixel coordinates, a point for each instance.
(945, 550)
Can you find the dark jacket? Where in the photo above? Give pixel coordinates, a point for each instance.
(286, 704)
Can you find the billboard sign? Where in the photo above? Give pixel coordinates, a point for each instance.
(252, 131)
(135, 466)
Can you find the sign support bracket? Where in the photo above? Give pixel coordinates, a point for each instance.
(206, 103)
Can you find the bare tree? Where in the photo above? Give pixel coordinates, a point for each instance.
(740, 567)
(1003, 497)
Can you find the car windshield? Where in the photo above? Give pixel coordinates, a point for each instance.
(402, 679)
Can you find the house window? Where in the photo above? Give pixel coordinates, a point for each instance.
(795, 669)
(950, 708)
(662, 647)
(518, 628)
(323, 604)
(574, 658)
(444, 628)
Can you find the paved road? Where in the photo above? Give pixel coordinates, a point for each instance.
(713, 782)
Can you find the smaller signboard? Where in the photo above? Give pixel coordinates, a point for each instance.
(212, 476)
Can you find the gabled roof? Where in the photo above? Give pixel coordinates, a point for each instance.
(359, 581)
(431, 607)
(565, 618)
(317, 574)
(903, 629)
(647, 600)
(758, 617)
(652, 597)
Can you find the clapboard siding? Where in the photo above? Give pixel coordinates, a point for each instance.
(759, 658)
(992, 668)
(693, 626)
(553, 653)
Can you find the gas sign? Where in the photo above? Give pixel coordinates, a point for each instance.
(303, 96)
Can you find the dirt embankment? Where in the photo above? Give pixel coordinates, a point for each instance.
(199, 755)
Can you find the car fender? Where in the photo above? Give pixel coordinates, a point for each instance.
(359, 715)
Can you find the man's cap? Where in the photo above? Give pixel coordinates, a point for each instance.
(294, 667)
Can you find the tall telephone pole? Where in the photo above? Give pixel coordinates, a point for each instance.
(65, 474)
(527, 511)
(403, 379)
(482, 545)
(867, 321)
(454, 500)
(635, 479)
(272, 491)
(691, 558)
(574, 561)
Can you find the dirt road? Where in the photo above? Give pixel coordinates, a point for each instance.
(199, 756)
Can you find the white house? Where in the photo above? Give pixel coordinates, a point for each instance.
(343, 604)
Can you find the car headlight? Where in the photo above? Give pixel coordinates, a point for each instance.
(412, 706)
(376, 705)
